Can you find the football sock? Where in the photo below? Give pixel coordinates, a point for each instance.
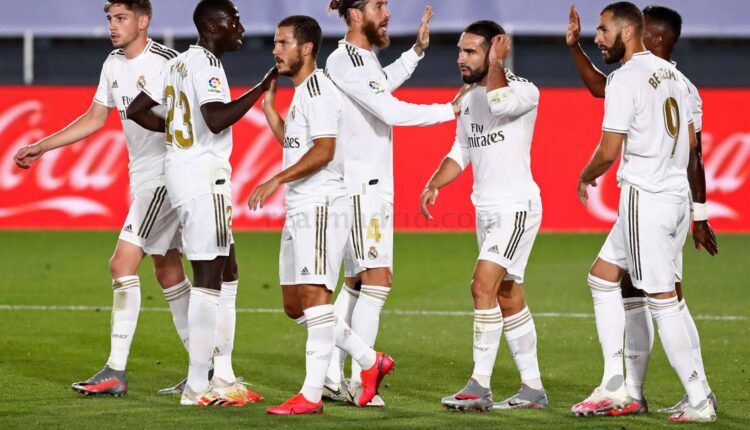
(320, 343)
(676, 342)
(342, 308)
(695, 343)
(202, 319)
(639, 338)
(125, 308)
(520, 333)
(225, 326)
(301, 321)
(610, 324)
(366, 317)
(178, 297)
(361, 353)
(488, 329)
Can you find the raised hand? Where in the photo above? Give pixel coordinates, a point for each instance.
(270, 78)
(704, 236)
(500, 48)
(27, 155)
(573, 33)
(270, 98)
(456, 102)
(423, 32)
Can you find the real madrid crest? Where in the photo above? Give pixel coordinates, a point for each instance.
(372, 253)
(141, 82)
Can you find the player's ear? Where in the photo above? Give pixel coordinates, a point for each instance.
(355, 15)
(143, 22)
(307, 49)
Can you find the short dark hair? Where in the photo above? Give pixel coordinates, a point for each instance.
(485, 28)
(665, 16)
(343, 6)
(203, 11)
(628, 12)
(306, 29)
(139, 7)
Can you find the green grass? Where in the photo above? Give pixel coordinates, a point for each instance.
(43, 351)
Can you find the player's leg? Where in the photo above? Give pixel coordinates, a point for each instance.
(206, 238)
(520, 334)
(373, 240)
(639, 339)
(176, 288)
(126, 306)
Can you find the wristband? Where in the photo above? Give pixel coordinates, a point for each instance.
(700, 212)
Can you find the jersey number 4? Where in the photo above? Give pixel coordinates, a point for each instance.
(179, 136)
(672, 120)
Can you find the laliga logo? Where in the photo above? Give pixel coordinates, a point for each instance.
(94, 167)
(725, 165)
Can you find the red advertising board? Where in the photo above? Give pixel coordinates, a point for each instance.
(85, 185)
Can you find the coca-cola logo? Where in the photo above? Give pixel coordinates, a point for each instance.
(726, 166)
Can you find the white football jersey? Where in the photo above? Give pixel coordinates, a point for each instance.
(497, 142)
(370, 111)
(197, 160)
(315, 112)
(696, 103)
(120, 82)
(648, 100)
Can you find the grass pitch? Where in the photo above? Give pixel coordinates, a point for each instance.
(44, 350)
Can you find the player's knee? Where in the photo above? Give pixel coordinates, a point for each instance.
(168, 276)
(293, 310)
(482, 288)
(119, 266)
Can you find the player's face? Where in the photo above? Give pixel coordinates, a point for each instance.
(287, 52)
(230, 31)
(472, 58)
(375, 23)
(123, 26)
(609, 39)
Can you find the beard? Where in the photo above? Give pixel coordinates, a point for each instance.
(370, 29)
(475, 75)
(616, 52)
(295, 65)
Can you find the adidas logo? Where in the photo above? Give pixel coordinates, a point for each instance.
(128, 228)
(466, 112)
(114, 84)
(305, 272)
(494, 249)
(693, 376)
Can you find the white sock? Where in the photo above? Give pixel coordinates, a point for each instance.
(639, 338)
(366, 318)
(301, 321)
(225, 332)
(610, 324)
(320, 342)
(488, 329)
(342, 308)
(361, 353)
(178, 297)
(520, 333)
(202, 318)
(676, 342)
(695, 343)
(126, 305)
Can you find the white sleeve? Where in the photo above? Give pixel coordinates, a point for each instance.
(104, 90)
(619, 108)
(460, 150)
(323, 114)
(155, 88)
(400, 70)
(515, 100)
(210, 85)
(696, 107)
(372, 94)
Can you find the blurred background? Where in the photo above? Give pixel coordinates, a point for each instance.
(51, 54)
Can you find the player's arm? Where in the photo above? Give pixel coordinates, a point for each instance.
(371, 95)
(275, 121)
(85, 125)
(450, 168)
(604, 157)
(703, 235)
(400, 70)
(140, 112)
(318, 156)
(503, 99)
(219, 116)
(592, 77)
